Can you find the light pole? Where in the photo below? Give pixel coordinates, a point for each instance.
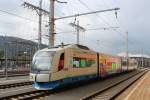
(6, 59)
(40, 26)
(5, 56)
(127, 53)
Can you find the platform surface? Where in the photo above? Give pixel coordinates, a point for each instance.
(140, 90)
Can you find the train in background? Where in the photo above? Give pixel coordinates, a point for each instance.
(67, 64)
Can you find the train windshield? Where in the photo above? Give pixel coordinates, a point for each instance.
(42, 61)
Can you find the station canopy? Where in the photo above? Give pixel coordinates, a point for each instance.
(123, 54)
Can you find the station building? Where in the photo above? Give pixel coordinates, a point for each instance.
(142, 59)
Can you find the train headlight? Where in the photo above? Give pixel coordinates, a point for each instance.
(43, 77)
(32, 77)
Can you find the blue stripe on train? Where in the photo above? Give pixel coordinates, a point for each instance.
(55, 84)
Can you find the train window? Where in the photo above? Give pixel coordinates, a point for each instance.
(61, 62)
(82, 62)
(90, 62)
(76, 62)
(124, 63)
(114, 65)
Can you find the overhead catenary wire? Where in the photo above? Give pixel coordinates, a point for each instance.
(16, 15)
(86, 6)
(19, 16)
(94, 42)
(88, 30)
(96, 14)
(123, 35)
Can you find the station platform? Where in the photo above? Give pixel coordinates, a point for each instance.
(140, 90)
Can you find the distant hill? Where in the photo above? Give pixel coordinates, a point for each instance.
(16, 46)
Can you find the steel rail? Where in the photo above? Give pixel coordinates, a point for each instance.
(28, 95)
(12, 85)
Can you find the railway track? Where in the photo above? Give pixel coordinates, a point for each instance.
(114, 90)
(105, 94)
(12, 85)
(14, 75)
(29, 95)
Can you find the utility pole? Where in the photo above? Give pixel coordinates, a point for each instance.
(52, 20)
(77, 33)
(6, 62)
(40, 12)
(51, 24)
(78, 28)
(40, 26)
(17, 51)
(6, 57)
(127, 55)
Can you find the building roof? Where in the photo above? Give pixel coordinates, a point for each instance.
(123, 54)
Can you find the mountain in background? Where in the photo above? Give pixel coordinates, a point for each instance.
(16, 46)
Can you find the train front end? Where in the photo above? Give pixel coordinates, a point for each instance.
(41, 70)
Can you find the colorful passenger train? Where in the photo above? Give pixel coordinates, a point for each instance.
(67, 64)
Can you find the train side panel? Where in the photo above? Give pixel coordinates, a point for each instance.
(124, 64)
(131, 65)
(109, 65)
(83, 63)
(78, 63)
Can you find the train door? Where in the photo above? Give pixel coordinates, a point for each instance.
(102, 64)
(98, 66)
(59, 71)
(61, 62)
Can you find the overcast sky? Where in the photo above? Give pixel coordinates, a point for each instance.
(133, 16)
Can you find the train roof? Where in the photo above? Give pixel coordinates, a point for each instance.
(104, 54)
(59, 47)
